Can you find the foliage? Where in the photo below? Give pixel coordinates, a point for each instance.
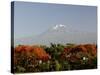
(56, 57)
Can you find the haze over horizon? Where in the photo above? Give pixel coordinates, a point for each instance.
(32, 19)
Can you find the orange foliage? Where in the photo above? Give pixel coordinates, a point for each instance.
(91, 48)
(85, 48)
(38, 52)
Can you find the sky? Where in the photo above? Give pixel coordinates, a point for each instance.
(32, 19)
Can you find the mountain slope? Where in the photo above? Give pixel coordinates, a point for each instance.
(60, 34)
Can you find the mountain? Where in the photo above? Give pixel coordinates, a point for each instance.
(60, 34)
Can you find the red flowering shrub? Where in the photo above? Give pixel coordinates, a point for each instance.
(56, 57)
(37, 51)
(78, 52)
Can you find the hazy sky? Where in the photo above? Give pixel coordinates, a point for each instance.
(34, 18)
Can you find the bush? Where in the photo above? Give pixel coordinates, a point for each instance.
(56, 57)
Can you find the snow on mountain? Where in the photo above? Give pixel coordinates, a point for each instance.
(58, 26)
(60, 34)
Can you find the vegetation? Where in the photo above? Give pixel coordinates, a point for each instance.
(57, 57)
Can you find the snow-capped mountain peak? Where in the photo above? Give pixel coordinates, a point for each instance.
(60, 34)
(59, 26)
